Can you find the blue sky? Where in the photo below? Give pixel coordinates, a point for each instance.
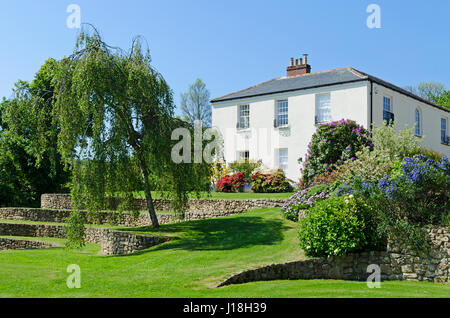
(232, 44)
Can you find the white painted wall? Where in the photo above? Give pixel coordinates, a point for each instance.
(404, 112)
(348, 101)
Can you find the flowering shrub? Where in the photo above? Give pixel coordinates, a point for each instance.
(231, 183)
(374, 163)
(414, 194)
(270, 183)
(303, 200)
(335, 226)
(417, 188)
(246, 167)
(333, 144)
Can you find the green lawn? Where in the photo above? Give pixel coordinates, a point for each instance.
(201, 254)
(224, 195)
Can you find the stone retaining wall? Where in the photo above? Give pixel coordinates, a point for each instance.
(112, 242)
(106, 218)
(64, 202)
(19, 244)
(395, 264)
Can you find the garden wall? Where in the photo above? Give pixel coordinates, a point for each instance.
(127, 219)
(112, 242)
(395, 264)
(64, 202)
(18, 244)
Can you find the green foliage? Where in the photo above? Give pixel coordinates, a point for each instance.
(430, 91)
(375, 162)
(29, 162)
(335, 226)
(431, 154)
(246, 167)
(331, 145)
(271, 183)
(444, 99)
(112, 117)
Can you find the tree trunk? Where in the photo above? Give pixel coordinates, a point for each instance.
(148, 198)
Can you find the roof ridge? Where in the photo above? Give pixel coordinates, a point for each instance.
(242, 90)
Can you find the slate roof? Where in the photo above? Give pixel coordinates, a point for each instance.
(312, 80)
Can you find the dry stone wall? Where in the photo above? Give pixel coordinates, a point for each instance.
(395, 264)
(112, 242)
(64, 202)
(18, 244)
(106, 218)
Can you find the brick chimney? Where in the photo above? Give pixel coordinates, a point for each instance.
(297, 67)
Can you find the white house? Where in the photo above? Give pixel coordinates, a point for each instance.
(274, 121)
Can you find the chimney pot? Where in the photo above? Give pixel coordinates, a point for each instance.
(298, 67)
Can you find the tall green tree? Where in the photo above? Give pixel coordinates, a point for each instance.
(114, 115)
(195, 103)
(26, 130)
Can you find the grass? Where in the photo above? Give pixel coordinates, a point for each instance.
(224, 195)
(201, 254)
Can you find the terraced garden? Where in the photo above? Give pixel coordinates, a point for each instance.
(199, 256)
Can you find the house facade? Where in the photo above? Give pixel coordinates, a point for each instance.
(274, 121)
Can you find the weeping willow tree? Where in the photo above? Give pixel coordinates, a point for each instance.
(115, 115)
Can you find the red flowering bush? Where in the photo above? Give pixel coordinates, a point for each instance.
(270, 183)
(231, 183)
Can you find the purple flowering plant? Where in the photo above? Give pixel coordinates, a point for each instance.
(303, 200)
(333, 144)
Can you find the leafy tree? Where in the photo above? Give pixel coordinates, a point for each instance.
(114, 118)
(430, 91)
(444, 99)
(24, 177)
(195, 103)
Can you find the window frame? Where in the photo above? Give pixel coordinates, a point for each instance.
(285, 113)
(285, 164)
(444, 131)
(239, 155)
(243, 124)
(388, 115)
(418, 122)
(317, 118)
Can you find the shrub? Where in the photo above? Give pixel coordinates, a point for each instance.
(219, 170)
(431, 154)
(414, 194)
(246, 167)
(375, 162)
(271, 183)
(231, 183)
(294, 207)
(335, 226)
(331, 145)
